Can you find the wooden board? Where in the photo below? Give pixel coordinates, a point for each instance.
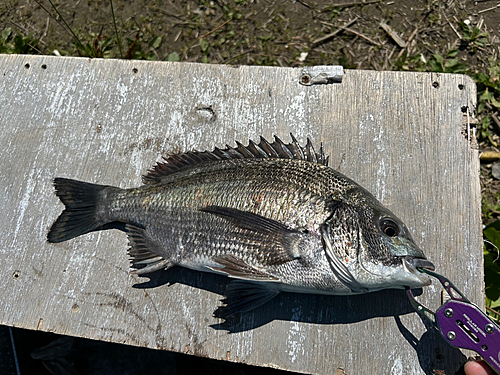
(403, 136)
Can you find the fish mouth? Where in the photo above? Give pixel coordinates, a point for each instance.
(413, 264)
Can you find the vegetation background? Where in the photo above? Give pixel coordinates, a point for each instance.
(452, 36)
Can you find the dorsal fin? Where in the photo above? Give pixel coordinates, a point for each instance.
(264, 149)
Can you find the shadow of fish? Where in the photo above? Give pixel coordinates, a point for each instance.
(273, 216)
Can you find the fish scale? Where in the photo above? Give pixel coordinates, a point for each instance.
(282, 199)
(272, 215)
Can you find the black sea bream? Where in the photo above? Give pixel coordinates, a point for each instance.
(273, 216)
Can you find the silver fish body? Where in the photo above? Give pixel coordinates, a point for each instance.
(272, 215)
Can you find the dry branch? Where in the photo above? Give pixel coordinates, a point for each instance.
(329, 36)
(353, 3)
(361, 35)
(400, 42)
(488, 9)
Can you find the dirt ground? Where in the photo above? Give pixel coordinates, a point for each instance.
(261, 32)
(421, 35)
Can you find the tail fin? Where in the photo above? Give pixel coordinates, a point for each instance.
(81, 200)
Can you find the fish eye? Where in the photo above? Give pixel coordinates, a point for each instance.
(389, 227)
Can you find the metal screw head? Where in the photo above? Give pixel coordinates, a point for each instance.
(305, 79)
(448, 312)
(489, 328)
(451, 335)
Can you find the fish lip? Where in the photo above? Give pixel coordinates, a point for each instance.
(422, 263)
(413, 264)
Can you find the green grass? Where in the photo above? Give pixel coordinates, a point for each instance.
(492, 269)
(11, 43)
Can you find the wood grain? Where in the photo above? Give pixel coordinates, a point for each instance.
(403, 136)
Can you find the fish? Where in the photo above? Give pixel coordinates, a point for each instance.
(271, 216)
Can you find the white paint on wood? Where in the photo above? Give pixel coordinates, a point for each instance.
(98, 121)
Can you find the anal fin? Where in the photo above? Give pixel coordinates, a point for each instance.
(243, 296)
(141, 251)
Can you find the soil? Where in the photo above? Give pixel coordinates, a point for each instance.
(263, 32)
(251, 32)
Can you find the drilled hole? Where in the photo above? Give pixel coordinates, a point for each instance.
(134, 70)
(26, 66)
(464, 109)
(461, 87)
(44, 66)
(16, 274)
(435, 84)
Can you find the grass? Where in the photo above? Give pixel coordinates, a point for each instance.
(12, 43)
(233, 32)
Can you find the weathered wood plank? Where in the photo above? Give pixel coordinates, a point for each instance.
(397, 134)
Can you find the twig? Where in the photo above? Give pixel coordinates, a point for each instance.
(362, 36)
(329, 36)
(238, 56)
(408, 43)
(21, 27)
(402, 51)
(348, 47)
(480, 23)
(44, 34)
(400, 42)
(352, 3)
(492, 311)
(210, 32)
(454, 30)
(486, 10)
(178, 35)
(375, 65)
(392, 52)
(304, 4)
(327, 23)
(412, 35)
(165, 12)
(496, 120)
(388, 57)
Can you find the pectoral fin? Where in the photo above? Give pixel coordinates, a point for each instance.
(276, 242)
(243, 296)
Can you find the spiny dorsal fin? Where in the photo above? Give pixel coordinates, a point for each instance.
(263, 149)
